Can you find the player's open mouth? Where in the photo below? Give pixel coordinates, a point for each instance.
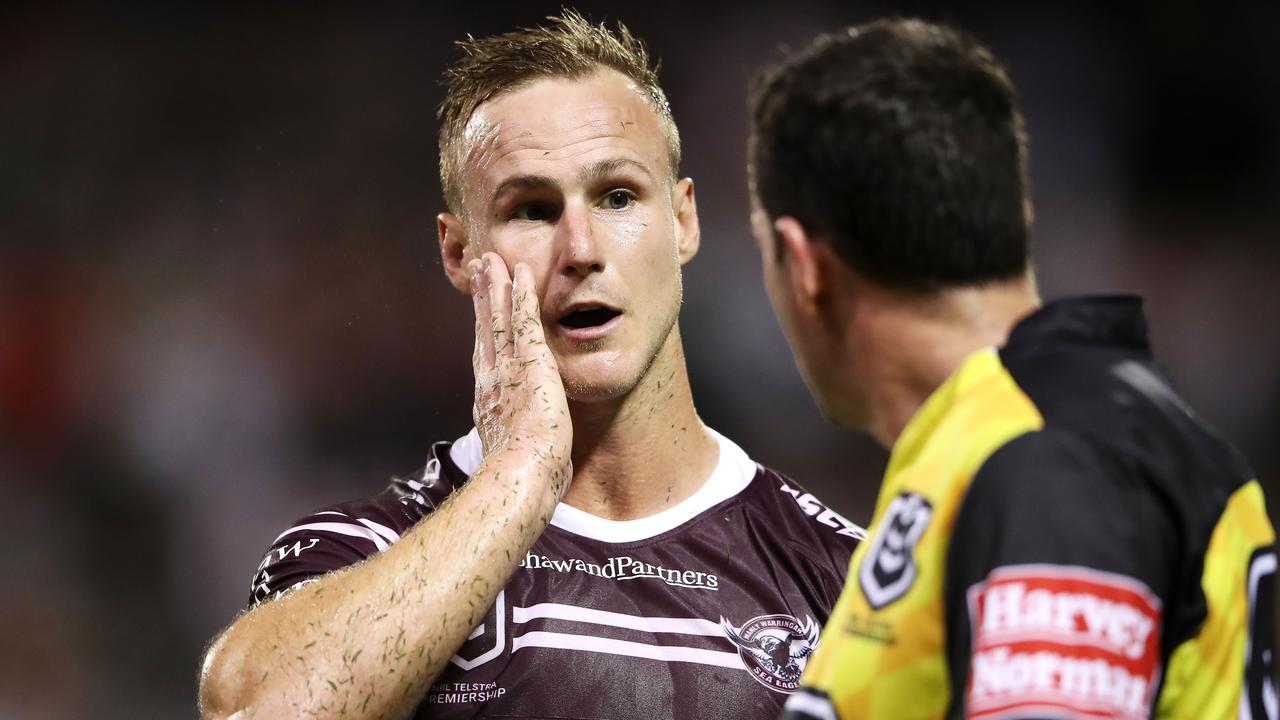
(588, 322)
(588, 317)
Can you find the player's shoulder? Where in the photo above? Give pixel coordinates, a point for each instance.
(784, 520)
(797, 512)
(778, 508)
(341, 534)
(403, 502)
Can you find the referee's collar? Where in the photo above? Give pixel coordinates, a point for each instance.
(1104, 320)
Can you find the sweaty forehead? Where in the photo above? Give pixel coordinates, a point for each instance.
(554, 125)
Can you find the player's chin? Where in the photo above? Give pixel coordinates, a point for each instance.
(597, 377)
(587, 393)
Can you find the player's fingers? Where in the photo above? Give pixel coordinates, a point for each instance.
(526, 317)
(500, 304)
(483, 357)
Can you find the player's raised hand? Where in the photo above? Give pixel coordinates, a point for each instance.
(520, 403)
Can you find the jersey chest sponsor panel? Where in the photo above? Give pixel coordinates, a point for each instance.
(666, 630)
(711, 609)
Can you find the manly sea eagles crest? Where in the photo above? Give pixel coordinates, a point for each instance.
(774, 648)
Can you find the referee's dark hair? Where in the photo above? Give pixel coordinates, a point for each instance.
(901, 144)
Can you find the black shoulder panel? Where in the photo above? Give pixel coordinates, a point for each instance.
(1088, 368)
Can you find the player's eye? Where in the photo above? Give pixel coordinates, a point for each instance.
(534, 212)
(619, 199)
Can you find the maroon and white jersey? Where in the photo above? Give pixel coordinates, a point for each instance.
(708, 609)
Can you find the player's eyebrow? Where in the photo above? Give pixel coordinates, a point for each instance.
(590, 175)
(602, 169)
(523, 182)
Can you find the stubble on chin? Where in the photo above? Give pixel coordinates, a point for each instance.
(616, 382)
(666, 351)
(589, 379)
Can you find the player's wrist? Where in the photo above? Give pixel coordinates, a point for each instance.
(531, 465)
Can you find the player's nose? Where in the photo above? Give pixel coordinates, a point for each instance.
(580, 253)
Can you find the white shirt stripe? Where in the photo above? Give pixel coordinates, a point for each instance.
(386, 532)
(556, 611)
(390, 535)
(587, 643)
(349, 529)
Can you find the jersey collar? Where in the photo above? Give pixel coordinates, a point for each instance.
(733, 472)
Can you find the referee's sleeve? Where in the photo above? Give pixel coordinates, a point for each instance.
(1056, 560)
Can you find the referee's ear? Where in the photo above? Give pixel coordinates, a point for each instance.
(455, 250)
(802, 256)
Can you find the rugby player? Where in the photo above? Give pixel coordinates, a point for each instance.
(590, 549)
(1057, 535)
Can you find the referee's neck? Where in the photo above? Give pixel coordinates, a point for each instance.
(906, 347)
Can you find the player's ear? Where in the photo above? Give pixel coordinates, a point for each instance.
(688, 233)
(455, 249)
(803, 258)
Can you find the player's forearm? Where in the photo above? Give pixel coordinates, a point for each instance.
(367, 642)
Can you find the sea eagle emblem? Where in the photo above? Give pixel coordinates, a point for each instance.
(774, 648)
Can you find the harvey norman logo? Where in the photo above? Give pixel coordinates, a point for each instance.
(1063, 641)
(624, 568)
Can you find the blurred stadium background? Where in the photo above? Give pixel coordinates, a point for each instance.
(221, 303)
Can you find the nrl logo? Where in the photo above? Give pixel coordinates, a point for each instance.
(889, 568)
(774, 648)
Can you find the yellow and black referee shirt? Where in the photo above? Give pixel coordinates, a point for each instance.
(1058, 536)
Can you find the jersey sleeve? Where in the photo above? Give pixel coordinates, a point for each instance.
(1058, 562)
(316, 544)
(342, 535)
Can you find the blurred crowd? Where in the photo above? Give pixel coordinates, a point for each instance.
(221, 303)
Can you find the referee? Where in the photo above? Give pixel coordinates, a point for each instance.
(1057, 533)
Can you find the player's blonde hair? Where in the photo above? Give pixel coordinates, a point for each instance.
(569, 47)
